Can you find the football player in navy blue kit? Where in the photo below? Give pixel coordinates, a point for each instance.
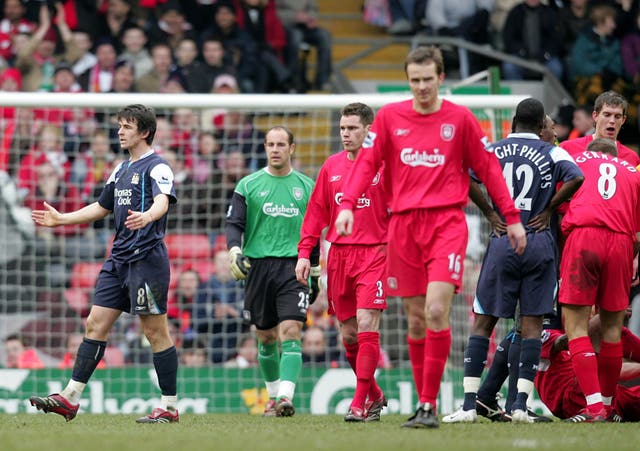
(532, 169)
(135, 278)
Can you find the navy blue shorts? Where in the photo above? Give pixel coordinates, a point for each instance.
(140, 287)
(273, 294)
(507, 279)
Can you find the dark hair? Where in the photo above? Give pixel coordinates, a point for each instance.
(143, 116)
(425, 55)
(603, 145)
(610, 98)
(529, 116)
(364, 112)
(287, 130)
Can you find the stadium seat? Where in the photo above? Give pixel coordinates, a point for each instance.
(185, 246)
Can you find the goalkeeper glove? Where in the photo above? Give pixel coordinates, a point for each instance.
(314, 283)
(239, 263)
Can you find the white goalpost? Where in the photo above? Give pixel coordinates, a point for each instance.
(46, 281)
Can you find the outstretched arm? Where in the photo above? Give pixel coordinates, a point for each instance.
(50, 217)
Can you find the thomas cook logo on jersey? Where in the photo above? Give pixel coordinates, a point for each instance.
(298, 193)
(447, 132)
(135, 178)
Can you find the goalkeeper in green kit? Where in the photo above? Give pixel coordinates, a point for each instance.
(267, 208)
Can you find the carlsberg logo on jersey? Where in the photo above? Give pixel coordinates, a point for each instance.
(274, 210)
(414, 158)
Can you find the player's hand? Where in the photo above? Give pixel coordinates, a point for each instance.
(240, 264)
(314, 283)
(344, 223)
(137, 219)
(498, 226)
(303, 266)
(541, 222)
(517, 237)
(50, 217)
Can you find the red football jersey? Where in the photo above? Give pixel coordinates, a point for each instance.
(609, 196)
(555, 373)
(578, 145)
(371, 213)
(427, 159)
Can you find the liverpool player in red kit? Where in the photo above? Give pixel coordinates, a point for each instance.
(355, 264)
(427, 145)
(602, 227)
(609, 114)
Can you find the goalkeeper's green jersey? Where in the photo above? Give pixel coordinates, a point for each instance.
(275, 209)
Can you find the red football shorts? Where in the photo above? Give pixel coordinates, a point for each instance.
(596, 268)
(426, 245)
(355, 279)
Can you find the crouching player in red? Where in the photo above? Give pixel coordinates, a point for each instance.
(355, 264)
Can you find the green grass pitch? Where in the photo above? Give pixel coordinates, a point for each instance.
(302, 432)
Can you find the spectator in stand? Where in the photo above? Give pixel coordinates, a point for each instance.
(314, 346)
(582, 122)
(10, 81)
(630, 48)
(123, 77)
(18, 355)
(206, 157)
(153, 80)
(52, 189)
(64, 80)
(574, 18)
(100, 77)
(115, 21)
(176, 83)
(402, 17)
(87, 59)
(217, 61)
(217, 312)
(260, 20)
(36, 60)
(563, 118)
(182, 216)
(532, 31)
(171, 27)
(193, 353)
(192, 69)
(135, 41)
(239, 44)
(69, 358)
(12, 23)
(246, 354)
(300, 19)
(182, 303)
(466, 20)
(164, 135)
(596, 58)
(48, 148)
(185, 124)
(91, 169)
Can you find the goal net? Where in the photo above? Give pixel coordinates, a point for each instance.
(60, 148)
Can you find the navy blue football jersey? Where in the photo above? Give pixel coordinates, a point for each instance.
(532, 168)
(133, 186)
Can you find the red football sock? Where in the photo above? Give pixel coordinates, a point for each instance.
(609, 366)
(351, 354)
(368, 354)
(630, 345)
(416, 357)
(585, 367)
(437, 347)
